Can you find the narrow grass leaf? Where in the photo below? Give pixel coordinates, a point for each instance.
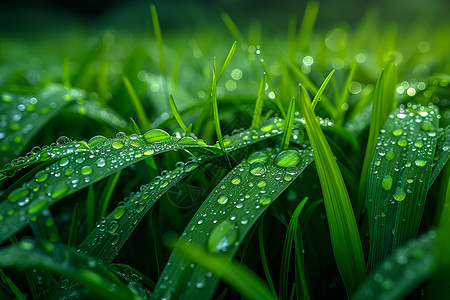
(44, 226)
(442, 153)
(90, 208)
(344, 233)
(236, 275)
(344, 95)
(256, 121)
(407, 268)
(73, 230)
(399, 174)
(307, 25)
(288, 128)
(60, 259)
(107, 193)
(234, 30)
(139, 109)
(66, 72)
(86, 163)
(383, 102)
(227, 61)
(158, 37)
(262, 252)
(216, 110)
(228, 214)
(321, 89)
(176, 114)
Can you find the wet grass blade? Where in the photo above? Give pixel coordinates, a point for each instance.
(158, 37)
(10, 284)
(138, 108)
(399, 176)
(227, 215)
(256, 121)
(60, 259)
(344, 233)
(236, 275)
(288, 128)
(286, 257)
(86, 164)
(383, 102)
(405, 270)
(321, 89)
(176, 114)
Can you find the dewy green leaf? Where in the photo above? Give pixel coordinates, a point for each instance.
(344, 233)
(60, 259)
(408, 267)
(398, 178)
(33, 111)
(238, 200)
(100, 158)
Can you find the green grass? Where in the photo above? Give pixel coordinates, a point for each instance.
(201, 197)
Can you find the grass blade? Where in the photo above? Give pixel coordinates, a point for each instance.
(344, 233)
(227, 61)
(176, 114)
(136, 103)
(398, 179)
(234, 30)
(107, 194)
(236, 275)
(306, 28)
(321, 89)
(221, 223)
(263, 257)
(10, 284)
(256, 121)
(73, 230)
(158, 37)
(288, 128)
(216, 110)
(383, 102)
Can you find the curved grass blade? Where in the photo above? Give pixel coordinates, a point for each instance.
(9, 283)
(63, 260)
(23, 116)
(234, 30)
(442, 153)
(236, 275)
(158, 37)
(176, 114)
(398, 180)
(138, 108)
(262, 252)
(306, 28)
(227, 61)
(256, 121)
(73, 230)
(404, 271)
(134, 278)
(216, 110)
(321, 89)
(383, 102)
(71, 173)
(289, 123)
(228, 214)
(344, 233)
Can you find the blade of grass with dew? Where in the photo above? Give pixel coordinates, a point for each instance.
(256, 120)
(286, 256)
(398, 179)
(236, 275)
(321, 89)
(227, 61)
(397, 276)
(383, 102)
(63, 260)
(289, 123)
(344, 233)
(73, 230)
(227, 215)
(10, 284)
(234, 30)
(20, 133)
(158, 37)
(138, 108)
(133, 277)
(306, 28)
(270, 84)
(176, 114)
(85, 165)
(262, 252)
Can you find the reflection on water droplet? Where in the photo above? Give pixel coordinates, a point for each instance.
(64, 161)
(420, 162)
(397, 131)
(86, 170)
(222, 199)
(386, 183)
(155, 135)
(96, 140)
(287, 158)
(418, 143)
(59, 190)
(427, 126)
(399, 194)
(390, 155)
(190, 166)
(37, 206)
(18, 193)
(117, 145)
(402, 142)
(100, 162)
(118, 212)
(265, 199)
(236, 180)
(257, 168)
(258, 156)
(261, 184)
(41, 176)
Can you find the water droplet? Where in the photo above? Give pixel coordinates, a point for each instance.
(390, 155)
(117, 145)
(410, 180)
(18, 193)
(420, 162)
(59, 190)
(257, 168)
(190, 166)
(100, 162)
(287, 158)
(63, 140)
(64, 162)
(261, 184)
(155, 135)
(136, 143)
(222, 199)
(96, 140)
(399, 194)
(386, 182)
(418, 143)
(397, 131)
(41, 176)
(222, 237)
(236, 180)
(402, 142)
(426, 126)
(115, 239)
(258, 156)
(113, 226)
(37, 206)
(86, 170)
(118, 212)
(265, 199)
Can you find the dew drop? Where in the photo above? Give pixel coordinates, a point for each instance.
(257, 168)
(236, 180)
(59, 190)
(190, 166)
(64, 162)
(390, 155)
(397, 131)
(426, 126)
(155, 135)
(41, 176)
(136, 143)
(18, 193)
(265, 199)
(420, 162)
(100, 162)
(96, 140)
(399, 194)
(63, 140)
(118, 212)
(402, 142)
(261, 184)
(258, 156)
(418, 143)
(386, 182)
(117, 145)
(86, 170)
(222, 237)
(222, 199)
(287, 158)
(37, 206)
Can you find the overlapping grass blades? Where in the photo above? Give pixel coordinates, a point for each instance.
(344, 233)
(60, 259)
(399, 176)
(226, 216)
(100, 158)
